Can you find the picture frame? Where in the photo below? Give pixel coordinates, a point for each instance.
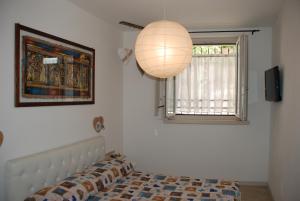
(50, 70)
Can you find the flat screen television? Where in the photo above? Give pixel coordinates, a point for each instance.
(272, 84)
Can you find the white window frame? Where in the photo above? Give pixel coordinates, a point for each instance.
(170, 115)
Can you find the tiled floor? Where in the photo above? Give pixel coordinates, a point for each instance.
(255, 193)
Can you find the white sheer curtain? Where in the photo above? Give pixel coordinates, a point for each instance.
(207, 86)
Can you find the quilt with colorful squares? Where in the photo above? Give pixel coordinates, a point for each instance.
(142, 186)
(116, 180)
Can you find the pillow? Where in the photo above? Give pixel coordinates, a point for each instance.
(78, 187)
(113, 168)
(114, 155)
(98, 177)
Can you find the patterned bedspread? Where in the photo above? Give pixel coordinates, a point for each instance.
(143, 186)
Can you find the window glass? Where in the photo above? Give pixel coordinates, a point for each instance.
(208, 85)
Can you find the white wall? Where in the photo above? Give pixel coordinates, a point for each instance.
(230, 151)
(285, 138)
(29, 130)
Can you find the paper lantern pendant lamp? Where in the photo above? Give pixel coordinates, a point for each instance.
(163, 49)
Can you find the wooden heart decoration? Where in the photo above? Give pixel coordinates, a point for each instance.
(98, 123)
(1, 138)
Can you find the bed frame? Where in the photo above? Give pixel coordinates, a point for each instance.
(26, 175)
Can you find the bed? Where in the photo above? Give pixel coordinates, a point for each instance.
(79, 172)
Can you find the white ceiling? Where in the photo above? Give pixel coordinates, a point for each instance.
(191, 13)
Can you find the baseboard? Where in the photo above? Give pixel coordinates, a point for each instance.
(251, 183)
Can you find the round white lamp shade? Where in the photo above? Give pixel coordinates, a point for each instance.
(163, 49)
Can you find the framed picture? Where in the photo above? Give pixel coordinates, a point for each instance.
(52, 71)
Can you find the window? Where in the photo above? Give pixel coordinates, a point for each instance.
(214, 87)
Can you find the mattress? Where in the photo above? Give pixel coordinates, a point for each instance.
(143, 186)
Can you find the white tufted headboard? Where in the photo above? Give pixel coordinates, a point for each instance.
(28, 174)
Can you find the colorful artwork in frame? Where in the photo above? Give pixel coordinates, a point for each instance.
(51, 70)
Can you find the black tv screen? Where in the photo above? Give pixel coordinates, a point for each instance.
(272, 84)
